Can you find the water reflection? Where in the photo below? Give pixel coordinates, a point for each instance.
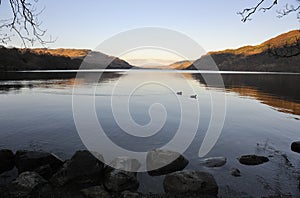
(40, 116)
(278, 91)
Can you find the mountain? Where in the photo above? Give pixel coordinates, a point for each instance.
(180, 65)
(57, 59)
(279, 54)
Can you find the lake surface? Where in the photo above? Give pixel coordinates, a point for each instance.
(262, 117)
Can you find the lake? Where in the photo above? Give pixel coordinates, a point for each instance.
(262, 116)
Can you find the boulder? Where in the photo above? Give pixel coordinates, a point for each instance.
(214, 161)
(128, 194)
(7, 160)
(190, 183)
(253, 159)
(235, 172)
(82, 166)
(45, 171)
(24, 184)
(295, 146)
(161, 162)
(95, 192)
(31, 160)
(126, 164)
(119, 180)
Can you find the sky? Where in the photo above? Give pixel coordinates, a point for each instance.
(214, 25)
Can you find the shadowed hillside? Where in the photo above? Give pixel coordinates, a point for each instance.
(56, 59)
(277, 54)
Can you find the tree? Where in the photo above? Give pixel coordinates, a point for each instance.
(24, 23)
(266, 5)
(288, 49)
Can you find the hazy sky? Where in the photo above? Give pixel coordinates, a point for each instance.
(213, 24)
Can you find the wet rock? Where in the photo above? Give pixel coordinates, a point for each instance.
(83, 166)
(126, 164)
(295, 146)
(161, 162)
(44, 191)
(120, 180)
(235, 172)
(95, 192)
(31, 160)
(45, 171)
(128, 194)
(253, 159)
(25, 183)
(7, 160)
(214, 161)
(190, 182)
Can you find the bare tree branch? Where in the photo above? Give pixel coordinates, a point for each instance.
(248, 12)
(24, 23)
(289, 9)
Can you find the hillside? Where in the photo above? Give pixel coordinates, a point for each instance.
(275, 54)
(180, 65)
(56, 59)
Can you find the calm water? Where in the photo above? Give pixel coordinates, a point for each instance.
(262, 117)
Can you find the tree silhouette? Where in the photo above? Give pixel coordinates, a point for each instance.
(24, 23)
(266, 5)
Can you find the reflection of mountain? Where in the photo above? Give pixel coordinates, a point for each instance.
(257, 58)
(16, 81)
(277, 103)
(278, 91)
(47, 59)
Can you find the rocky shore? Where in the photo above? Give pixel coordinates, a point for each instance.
(44, 175)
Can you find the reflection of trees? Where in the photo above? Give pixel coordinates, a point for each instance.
(46, 80)
(278, 91)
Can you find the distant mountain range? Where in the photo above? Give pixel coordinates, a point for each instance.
(279, 54)
(56, 59)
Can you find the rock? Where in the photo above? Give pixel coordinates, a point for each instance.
(161, 162)
(95, 192)
(44, 191)
(7, 160)
(190, 182)
(128, 194)
(214, 161)
(25, 183)
(253, 159)
(295, 146)
(235, 172)
(82, 166)
(45, 171)
(120, 180)
(126, 164)
(30, 160)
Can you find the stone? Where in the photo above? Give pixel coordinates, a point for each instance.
(214, 161)
(31, 160)
(25, 183)
(190, 182)
(128, 194)
(45, 171)
(120, 180)
(161, 162)
(253, 159)
(82, 166)
(95, 192)
(295, 146)
(235, 172)
(126, 164)
(7, 160)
